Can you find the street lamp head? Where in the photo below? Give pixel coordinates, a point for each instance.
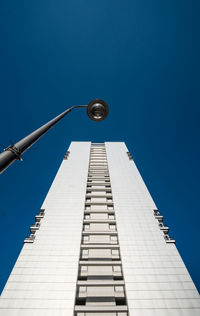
(97, 110)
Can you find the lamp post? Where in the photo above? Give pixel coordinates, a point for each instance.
(97, 110)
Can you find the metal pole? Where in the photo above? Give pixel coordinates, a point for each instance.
(14, 152)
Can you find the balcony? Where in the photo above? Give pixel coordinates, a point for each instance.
(157, 215)
(34, 227)
(66, 155)
(169, 239)
(39, 216)
(163, 227)
(99, 220)
(84, 310)
(101, 194)
(93, 203)
(98, 190)
(129, 155)
(29, 239)
(92, 232)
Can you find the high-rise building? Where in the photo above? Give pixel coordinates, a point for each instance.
(99, 246)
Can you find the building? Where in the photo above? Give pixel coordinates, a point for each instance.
(99, 246)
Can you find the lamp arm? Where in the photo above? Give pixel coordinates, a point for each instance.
(14, 152)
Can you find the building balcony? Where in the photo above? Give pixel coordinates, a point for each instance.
(103, 186)
(98, 190)
(39, 216)
(108, 246)
(158, 215)
(34, 227)
(97, 221)
(129, 155)
(99, 195)
(66, 155)
(115, 310)
(163, 227)
(100, 282)
(106, 232)
(169, 239)
(107, 203)
(29, 239)
(98, 177)
(98, 182)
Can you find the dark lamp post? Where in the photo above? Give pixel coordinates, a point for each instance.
(97, 110)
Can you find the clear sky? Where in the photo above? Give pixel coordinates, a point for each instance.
(142, 57)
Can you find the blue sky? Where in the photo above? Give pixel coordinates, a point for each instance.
(142, 57)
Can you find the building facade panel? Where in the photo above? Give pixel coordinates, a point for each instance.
(156, 278)
(43, 280)
(98, 246)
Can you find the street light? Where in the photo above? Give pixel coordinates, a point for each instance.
(97, 110)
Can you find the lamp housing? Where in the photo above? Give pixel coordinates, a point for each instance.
(97, 110)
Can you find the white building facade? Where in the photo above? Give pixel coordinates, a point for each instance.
(99, 246)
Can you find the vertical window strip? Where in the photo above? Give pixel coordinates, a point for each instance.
(100, 282)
